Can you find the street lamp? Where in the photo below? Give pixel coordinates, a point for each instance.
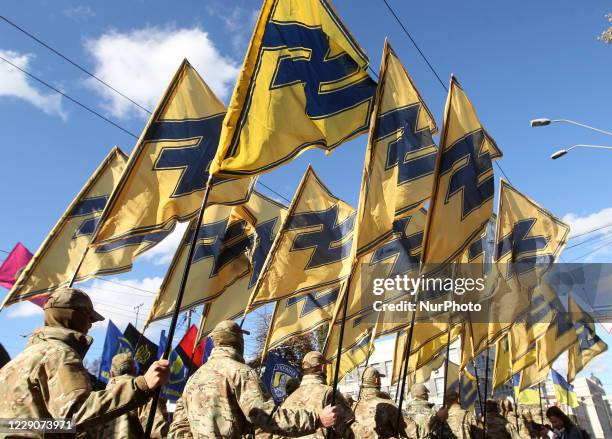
(542, 122)
(562, 152)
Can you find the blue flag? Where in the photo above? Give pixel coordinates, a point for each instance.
(111, 348)
(278, 372)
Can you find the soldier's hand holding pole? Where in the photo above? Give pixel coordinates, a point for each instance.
(157, 374)
(328, 416)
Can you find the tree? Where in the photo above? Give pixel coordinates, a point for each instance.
(606, 36)
(293, 350)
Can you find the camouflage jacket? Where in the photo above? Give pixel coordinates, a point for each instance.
(48, 380)
(425, 423)
(132, 424)
(498, 427)
(375, 417)
(314, 394)
(225, 399)
(461, 422)
(523, 431)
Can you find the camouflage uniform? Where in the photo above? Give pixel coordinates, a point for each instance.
(314, 394)
(523, 431)
(461, 422)
(425, 422)
(132, 424)
(225, 399)
(48, 379)
(375, 417)
(497, 426)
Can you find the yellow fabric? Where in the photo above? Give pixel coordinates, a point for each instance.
(502, 369)
(532, 375)
(299, 315)
(289, 97)
(395, 185)
(525, 230)
(56, 260)
(566, 397)
(449, 211)
(158, 187)
(301, 260)
(589, 344)
(223, 270)
(399, 255)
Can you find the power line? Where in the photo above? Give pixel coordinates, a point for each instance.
(4, 251)
(125, 285)
(415, 45)
(78, 66)
(591, 231)
(91, 110)
(273, 191)
(431, 67)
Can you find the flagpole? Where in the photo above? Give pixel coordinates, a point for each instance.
(405, 372)
(179, 300)
(78, 267)
(516, 401)
(486, 385)
(401, 371)
(540, 397)
(448, 340)
(339, 351)
(474, 362)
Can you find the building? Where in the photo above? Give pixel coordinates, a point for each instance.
(593, 413)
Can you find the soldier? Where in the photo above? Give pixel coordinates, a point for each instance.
(48, 379)
(132, 424)
(375, 417)
(349, 400)
(314, 394)
(291, 386)
(497, 426)
(516, 420)
(224, 398)
(426, 421)
(461, 422)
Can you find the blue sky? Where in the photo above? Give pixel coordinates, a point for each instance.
(515, 62)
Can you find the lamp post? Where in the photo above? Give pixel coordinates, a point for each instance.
(542, 122)
(562, 152)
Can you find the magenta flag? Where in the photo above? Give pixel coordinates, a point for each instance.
(15, 261)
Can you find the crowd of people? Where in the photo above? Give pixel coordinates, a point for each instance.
(224, 398)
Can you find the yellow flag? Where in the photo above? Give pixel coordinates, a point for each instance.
(301, 314)
(357, 344)
(462, 197)
(313, 247)
(398, 256)
(558, 338)
(167, 172)
(589, 344)
(564, 391)
(502, 369)
(527, 396)
(532, 375)
(233, 245)
(529, 238)
(400, 156)
(303, 84)
(57, 259)
(464, 383)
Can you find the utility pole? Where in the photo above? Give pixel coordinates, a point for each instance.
(189, 311)
(137, 309)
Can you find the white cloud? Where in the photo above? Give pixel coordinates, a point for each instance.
(582, 224)
(238, 21)
(117, 301)
(163, 252)
(24, 309)
(14, 83)
(79, 13)
(141, 62)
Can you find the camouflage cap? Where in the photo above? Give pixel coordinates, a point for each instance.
(122, 364)
(371, 377)
(419, 391)
(313, 359)
(227, 333)
(73, 298)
